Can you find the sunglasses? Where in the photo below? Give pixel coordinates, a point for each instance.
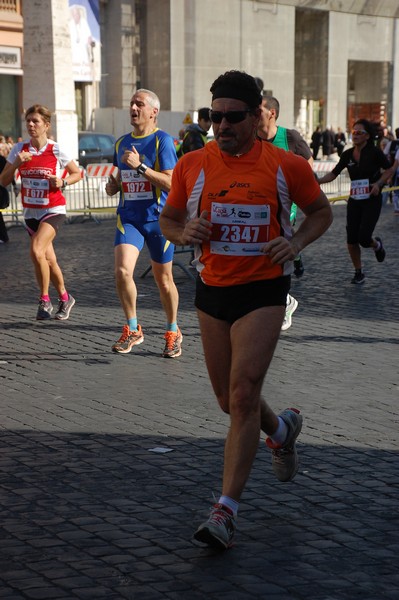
(231, 116)
(358, 131)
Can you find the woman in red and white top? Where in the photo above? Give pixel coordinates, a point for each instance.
(41, 163)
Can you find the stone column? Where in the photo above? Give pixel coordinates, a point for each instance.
(47, 68)
(120, 52)
(395, 74)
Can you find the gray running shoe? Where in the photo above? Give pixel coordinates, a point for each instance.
(173, 341)
(64, 308)
(290, 308)
(218, 531)
(44, 310)
(128, 339)
(284, 457)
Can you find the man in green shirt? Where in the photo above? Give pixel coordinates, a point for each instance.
(288, 139)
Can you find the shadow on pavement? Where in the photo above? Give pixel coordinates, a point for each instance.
(102, 512)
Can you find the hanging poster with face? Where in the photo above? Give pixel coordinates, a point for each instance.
(84, 28)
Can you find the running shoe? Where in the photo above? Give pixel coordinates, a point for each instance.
(218, 531)
(299, 269)
(64, 308)
(44, 310)
(128, 339)
(284, 456)
(173, 340)
(359, 277)
(290, 308)
(380, 253)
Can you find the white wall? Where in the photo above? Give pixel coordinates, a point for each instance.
(238, 34)
(395, 85)
(210, 37)
(354, 37)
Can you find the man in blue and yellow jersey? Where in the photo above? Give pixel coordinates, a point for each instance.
(145, 159)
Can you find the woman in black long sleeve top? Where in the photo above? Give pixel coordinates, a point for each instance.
(368, 169)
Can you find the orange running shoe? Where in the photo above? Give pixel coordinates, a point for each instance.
(128, 339)
(173, 344)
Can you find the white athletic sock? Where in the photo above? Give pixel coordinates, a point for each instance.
(281, 433)
(230, 503)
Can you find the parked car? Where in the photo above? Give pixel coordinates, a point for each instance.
(95, 147)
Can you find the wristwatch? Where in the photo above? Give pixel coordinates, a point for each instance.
(141, 169)
(64, 184)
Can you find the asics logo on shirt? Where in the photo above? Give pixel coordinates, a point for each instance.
(239, 184)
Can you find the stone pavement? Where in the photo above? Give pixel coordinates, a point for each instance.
(89, 510)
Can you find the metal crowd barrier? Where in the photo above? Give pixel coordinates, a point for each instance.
(334, 190)
(13, 214)
(339, 189)
(87, 199)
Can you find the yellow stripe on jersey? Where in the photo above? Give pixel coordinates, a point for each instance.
(119, 225)
(158, 190)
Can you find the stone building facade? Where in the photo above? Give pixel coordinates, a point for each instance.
(327, 62)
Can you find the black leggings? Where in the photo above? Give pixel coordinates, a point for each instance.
(3, 229)
(361, 219)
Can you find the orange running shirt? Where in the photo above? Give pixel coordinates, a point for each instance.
(248, 199)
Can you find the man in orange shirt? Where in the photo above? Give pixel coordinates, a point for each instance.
(232, 200)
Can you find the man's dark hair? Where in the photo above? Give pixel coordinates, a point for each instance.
(203, 113)
(259, 83)
(272, 102)
(238, 85)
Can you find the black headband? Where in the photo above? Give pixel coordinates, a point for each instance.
(250, 97)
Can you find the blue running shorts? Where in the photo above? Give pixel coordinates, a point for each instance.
(161, 251)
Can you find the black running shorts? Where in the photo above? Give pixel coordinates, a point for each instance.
(235, 301)
(53, 219)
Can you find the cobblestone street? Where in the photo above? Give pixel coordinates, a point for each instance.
(92, 507)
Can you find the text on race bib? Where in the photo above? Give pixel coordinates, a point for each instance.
(360, 189)
(135, 186)
(239, 229)
(36, 191)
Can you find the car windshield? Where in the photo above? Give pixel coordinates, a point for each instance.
(106, 142)
(88, 142)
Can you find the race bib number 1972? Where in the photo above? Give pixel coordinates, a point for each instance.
(135, 186)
